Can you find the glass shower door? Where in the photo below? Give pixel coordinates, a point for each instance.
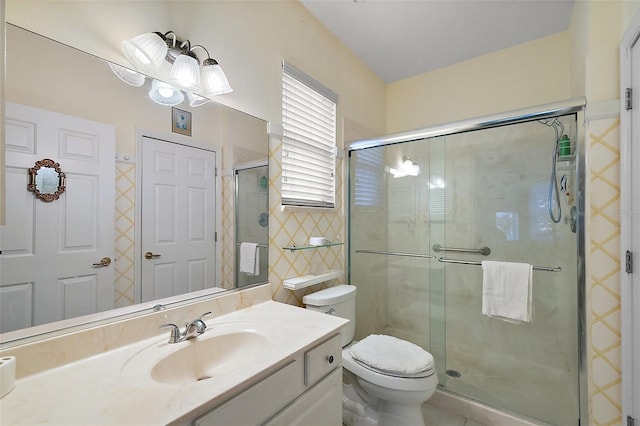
(497, 183)
(389, 240)
(252, 222)
(410, 201)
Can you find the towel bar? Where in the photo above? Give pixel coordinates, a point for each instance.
(485, 251)
(259, 245)
(477, 263)
(394, 253)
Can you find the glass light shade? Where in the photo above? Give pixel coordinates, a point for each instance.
(165, 94)
(214, 80)
(145, 52)
(130, 77)
(185, 73)
(196, 100)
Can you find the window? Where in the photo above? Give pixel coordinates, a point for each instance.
(369, 173)
(309, 140)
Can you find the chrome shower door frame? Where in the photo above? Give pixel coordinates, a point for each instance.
(572, 106)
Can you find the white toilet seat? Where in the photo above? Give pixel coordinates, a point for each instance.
(392, 356)
(386, 380)
(426, 373)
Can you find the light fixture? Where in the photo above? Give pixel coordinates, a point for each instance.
(196, 100)
(406, 168)
(165, 94)
(214, 80)
(185, 71)
(147, 52)
(131, 77)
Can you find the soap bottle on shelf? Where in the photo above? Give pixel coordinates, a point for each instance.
(564, 146)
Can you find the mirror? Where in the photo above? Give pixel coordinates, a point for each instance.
(67, 81)
(46, 180)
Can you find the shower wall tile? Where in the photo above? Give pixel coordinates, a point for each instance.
(125, 235)
(603, 283)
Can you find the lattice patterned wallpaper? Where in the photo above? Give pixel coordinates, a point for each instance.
(605, 391)
(297, 226)
(125, 234)
(227, 232)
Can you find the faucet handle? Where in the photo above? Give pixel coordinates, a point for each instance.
(175, 332)
(198, 326)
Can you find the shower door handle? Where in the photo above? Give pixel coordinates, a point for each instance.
(149, 255)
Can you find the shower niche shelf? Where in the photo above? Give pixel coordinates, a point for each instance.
(296, 248)
(296, 283)
(567, 162)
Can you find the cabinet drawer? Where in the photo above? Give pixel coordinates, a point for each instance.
(322, 359)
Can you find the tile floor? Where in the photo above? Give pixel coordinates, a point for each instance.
(441, 417)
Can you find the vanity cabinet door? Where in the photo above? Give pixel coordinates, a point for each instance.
(321, 405)
(260, 401)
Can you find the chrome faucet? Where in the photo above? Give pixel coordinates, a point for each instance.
(191, 329)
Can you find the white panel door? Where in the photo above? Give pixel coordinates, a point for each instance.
(178, 219)
(49, 249)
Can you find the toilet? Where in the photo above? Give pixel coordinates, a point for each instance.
(385, 379)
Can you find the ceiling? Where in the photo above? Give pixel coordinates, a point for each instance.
(398, 39)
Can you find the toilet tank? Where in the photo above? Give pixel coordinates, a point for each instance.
(339, 301)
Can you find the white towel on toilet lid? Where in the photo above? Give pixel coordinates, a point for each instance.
(390, 354)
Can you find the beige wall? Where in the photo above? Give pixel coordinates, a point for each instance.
(584, 61)
(580, 62)
(528, 74)
(248, 38)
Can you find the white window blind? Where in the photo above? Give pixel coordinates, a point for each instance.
(369, 174)
(309, 140)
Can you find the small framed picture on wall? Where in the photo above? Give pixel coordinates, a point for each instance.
(181, 122)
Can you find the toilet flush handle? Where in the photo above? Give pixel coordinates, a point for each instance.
(331, 311)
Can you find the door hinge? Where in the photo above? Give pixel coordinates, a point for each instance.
(215, 236)
(628, 103)
(216, 172)
(629, 262)
(630, 421)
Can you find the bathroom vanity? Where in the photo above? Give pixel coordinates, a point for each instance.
(259, 362)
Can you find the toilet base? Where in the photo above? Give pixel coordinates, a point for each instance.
(361, 409)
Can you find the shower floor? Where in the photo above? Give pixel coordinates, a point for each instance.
(498, 380)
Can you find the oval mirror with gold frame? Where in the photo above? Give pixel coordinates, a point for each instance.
(46, 180)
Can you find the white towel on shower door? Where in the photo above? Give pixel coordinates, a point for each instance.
(249, 260)
(507, 291)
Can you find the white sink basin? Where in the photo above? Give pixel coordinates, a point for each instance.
(207, 356)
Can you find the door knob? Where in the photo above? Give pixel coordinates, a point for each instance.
(105, 261)
(149, 255)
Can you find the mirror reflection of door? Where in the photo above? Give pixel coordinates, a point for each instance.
(178, 219)
(51, 264)
(251, 224)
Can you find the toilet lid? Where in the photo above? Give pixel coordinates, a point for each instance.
(391, 355)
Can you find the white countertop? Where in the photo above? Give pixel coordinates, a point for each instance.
(93, 391)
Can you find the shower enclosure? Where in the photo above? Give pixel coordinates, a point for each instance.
(252, 220)
(426, 207)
